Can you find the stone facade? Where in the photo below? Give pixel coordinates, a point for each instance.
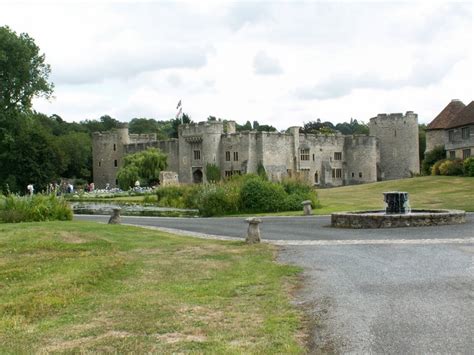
(397, 136)
(453, 128)
(323, 160)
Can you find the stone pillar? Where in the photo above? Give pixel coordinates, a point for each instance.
(307, 208)
(115, 218)
(253, 232)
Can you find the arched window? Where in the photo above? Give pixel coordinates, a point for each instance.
(316, 178)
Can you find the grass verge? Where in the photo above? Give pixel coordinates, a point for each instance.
(78, 286)
(451, 192)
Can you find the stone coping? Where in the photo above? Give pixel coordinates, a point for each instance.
(378, 219)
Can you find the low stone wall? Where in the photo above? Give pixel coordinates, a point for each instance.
(377, 219)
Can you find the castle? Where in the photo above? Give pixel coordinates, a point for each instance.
(390, 151)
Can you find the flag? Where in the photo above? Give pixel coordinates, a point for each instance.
(179, 104)
(179, 112)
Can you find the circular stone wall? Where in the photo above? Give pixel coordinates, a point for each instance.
(378, 219)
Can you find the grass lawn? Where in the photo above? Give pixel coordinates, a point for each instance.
(450, 192)
(77, 286)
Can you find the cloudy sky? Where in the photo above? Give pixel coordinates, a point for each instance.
(278, 62)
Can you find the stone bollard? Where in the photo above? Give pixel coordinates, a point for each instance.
(253, 232)
(307, 208)
(115, 218)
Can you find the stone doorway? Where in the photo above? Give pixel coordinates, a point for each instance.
(197, 176)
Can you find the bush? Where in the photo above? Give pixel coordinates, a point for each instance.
(435, 167)
(299, 191)
(178, 196)
(240, 193)
(451, 167)
(431, 157)
(468, 166)
(213, 173)
(261, 171)
(15, 209)
(258, 195)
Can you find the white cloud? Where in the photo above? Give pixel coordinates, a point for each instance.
(265, 65)
(334, 60)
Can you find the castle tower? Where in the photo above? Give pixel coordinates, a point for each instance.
(397, 136)
(107, 155)
(198, 146)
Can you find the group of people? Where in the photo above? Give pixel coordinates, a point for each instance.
(58, 189)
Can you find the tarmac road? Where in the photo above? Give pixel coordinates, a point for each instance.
(395, 291)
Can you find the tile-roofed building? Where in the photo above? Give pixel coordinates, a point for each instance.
(453, 128)
(464, 117)
(445, 117)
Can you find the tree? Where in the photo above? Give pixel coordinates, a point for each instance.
(213, 173)
(144, 166)
(437, 154)
(23, 72)
(32, 155)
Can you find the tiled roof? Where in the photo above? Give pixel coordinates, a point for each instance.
(443, 120)
(464, 117)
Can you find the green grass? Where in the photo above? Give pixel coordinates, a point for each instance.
(77, 286)
(449, 192)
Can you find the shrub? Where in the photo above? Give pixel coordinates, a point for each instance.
(431, 157)
(261, 171)
(451, 167)
(435, 167)
(468, 166)
(213, 173)
(15, 209)
(299, 191)
(258, 195)
(178, 196)
(214, 200)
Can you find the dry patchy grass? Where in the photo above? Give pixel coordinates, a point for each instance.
(75, 287)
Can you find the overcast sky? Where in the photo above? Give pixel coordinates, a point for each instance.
(281, 63)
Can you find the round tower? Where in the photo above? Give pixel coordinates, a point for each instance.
(397, 135)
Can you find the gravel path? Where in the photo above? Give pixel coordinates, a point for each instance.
(403, 290)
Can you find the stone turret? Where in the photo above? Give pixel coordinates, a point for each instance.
(397, 135)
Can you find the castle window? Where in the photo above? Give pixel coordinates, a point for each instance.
(236, 156)
(115, 147)
(452, 154)
(395, 132)
(197, 154)
(451, 135)
(336, 173)
(316, 178)
(337, 155)
(115, 163)
(100, 164)
(360, 174)
(466, 153)
(352, 174)
(465, 133)
(304, 154)
(228, 173)
(227, 156)
(313, 157)
(236, 172)
(116, 182)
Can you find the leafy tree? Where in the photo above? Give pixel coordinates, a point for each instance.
(143, 125)
(421, 140)
(77, 148)
(213, 173)
(144, 166)
(23, 72)
(176, 122)
(431, 157)
(317, 127)
(31, 155)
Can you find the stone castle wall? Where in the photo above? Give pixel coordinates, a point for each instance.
(398, 141)
(389, 152)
